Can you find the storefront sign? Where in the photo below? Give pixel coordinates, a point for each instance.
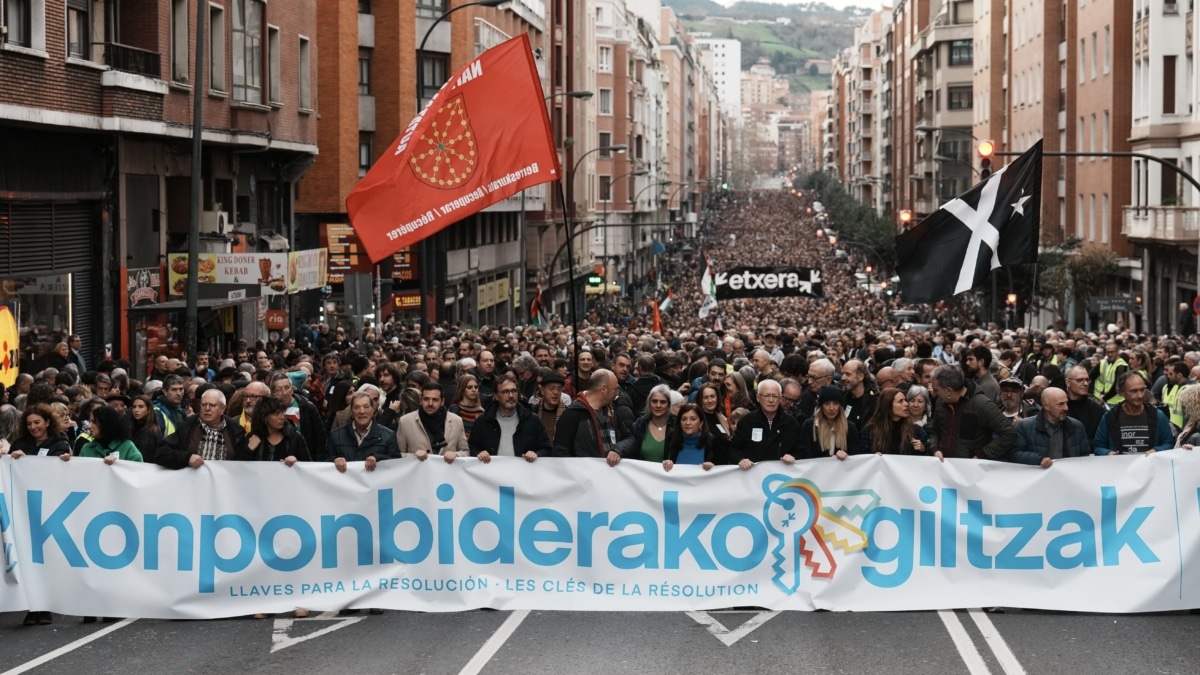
(406, 300)
(1120, 534)
(10, 346)
(346, 253)
(307, 269)
(263, 269)
(143, 286)
(276, 319)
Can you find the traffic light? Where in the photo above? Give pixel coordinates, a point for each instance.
(906, 218)
(595, 279)
(724, 186)
(986, 150)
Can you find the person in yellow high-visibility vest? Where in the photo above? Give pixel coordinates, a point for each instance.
(1106, 373)
(1177, 380)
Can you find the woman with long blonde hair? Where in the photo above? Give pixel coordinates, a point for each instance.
(828, 433)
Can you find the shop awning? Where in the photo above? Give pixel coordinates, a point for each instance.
(275, 242)
(181, 305)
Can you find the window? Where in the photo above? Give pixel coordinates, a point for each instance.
(364, 153)
(433, 74)
(606, 101)
(1092, 137)
(1079, 223)
(1104, 134)
(1104, 219)
(364, 6)
(1082, 61)
(216, 47)
(605, 65)
(179, 41)
(78, 29)
(247, 50)
(605, 141)
(431, 9)
(305, 75)
(1094, 57)
(364, 73)
(1107, 48)
(1168, 85)
(18, 17)
(273, 83)
(606, 188)
(961, 52)
(959, 98)
(1092, 218)
(1079, 137)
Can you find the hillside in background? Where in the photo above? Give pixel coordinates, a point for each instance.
(815, 31)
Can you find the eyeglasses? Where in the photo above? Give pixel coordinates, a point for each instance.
(507, 391)
(791, 401)
(253, 396)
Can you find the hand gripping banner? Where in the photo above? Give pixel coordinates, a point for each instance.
(484, 137)
(1111, 534)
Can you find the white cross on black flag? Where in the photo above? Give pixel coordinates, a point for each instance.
(993, 224)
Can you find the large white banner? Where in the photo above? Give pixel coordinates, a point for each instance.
(1090, 534)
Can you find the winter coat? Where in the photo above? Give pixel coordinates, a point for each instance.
(176, 450)
(412, 436)
(53, 446)
(530, 434)
(773, 441)
(984, 431)
(1033, 440)
(126, 450)
(380, 443)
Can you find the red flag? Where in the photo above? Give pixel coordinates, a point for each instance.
(656, 327)
(484, 137)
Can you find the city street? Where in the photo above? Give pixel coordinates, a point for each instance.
(635, 643)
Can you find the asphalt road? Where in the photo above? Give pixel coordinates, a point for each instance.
(525, 643)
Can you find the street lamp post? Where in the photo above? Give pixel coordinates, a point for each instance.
(426, 247)
(632, 233)
(639, 172)
(567, 217)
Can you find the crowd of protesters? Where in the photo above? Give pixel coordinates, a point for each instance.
(791, 380)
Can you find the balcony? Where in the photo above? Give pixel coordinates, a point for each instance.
(133, 60)
(1167, 224)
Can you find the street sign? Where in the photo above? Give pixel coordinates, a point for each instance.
(1115, 304)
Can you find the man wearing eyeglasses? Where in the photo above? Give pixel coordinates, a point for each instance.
(205, 437)
(1080, 404)
(508, 429)
(251, 395)
(820, 374)
(765, 434)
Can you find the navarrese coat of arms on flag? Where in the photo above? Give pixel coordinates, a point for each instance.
(445, 156)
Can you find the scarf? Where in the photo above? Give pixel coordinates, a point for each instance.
(600, 448)
(435, 428)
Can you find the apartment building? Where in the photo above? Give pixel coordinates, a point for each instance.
(371, 71)
(722, 57)
(95, 177)
(1162, 213)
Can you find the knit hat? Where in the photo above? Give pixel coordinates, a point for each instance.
(829, 393)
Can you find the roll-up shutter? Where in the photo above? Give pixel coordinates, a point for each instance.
(38, 238)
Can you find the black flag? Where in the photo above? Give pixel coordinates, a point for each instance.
(995, 223)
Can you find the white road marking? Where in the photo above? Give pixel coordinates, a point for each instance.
(966, 646)
(67, 648)
(281, 640)
(1008, 660)
(726, 636)
(494, 643)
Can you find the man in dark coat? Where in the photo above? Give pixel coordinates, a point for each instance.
(205, 437)
(507, 428)
(363, 440)
(765, 434)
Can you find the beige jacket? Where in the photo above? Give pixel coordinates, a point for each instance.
(412, 437)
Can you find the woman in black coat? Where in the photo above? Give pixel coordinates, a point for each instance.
(273, 436)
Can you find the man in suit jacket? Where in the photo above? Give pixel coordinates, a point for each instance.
(432, 428)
